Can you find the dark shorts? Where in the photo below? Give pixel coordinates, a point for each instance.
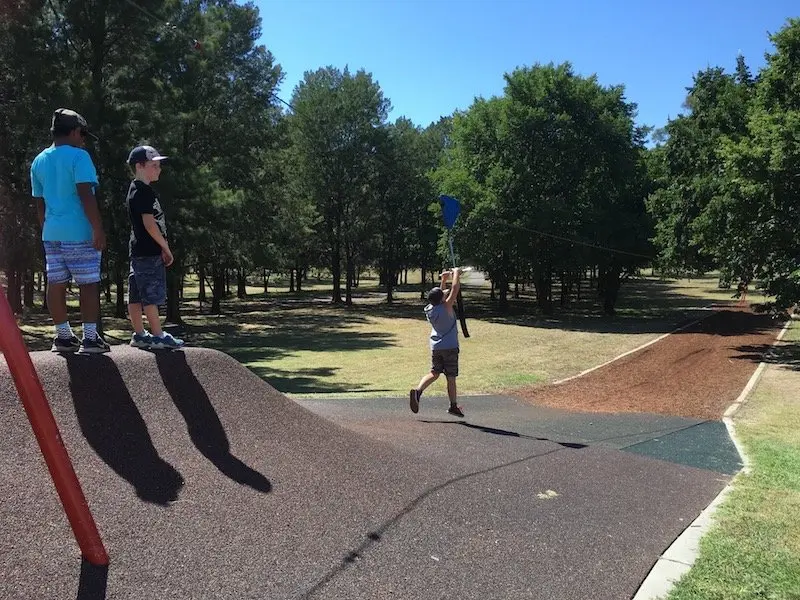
(147, 282)
(445, 361)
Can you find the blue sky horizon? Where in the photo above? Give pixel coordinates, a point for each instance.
(432, 57)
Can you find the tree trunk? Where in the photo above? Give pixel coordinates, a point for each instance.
(502, 286)
(390, 278)
(227, 282)
(299, 274)
(173, 295)
(27, 293)
(201, 275)
(265, 280)
(336, 273)
(611, 284)
(291, 280)
(217, 287)
(349, 278)
(119, 283)
(542, 283)
(241, 284)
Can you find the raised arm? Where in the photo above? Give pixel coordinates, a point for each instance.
(455, 286)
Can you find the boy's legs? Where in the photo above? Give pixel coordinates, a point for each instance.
(451, 390)
(57, 301)
(153, 319)
(83, 262)
(58, 277)
(451, 372)
(147, 290)
(437, 366)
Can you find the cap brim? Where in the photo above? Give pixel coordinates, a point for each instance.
(160, 158)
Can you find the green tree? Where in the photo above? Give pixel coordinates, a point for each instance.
(336, 130)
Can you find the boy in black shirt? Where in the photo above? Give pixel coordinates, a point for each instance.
(149, 252)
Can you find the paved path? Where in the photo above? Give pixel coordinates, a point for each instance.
(206, 483)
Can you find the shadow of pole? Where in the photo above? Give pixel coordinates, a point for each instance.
(93, 582)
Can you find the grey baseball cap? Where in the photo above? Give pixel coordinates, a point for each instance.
(142, 154)
(69, 119)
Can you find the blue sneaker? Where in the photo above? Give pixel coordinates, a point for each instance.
(165, 341)
(143, 340)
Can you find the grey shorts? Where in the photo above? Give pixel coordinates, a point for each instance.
(445, 361)
(147, 282)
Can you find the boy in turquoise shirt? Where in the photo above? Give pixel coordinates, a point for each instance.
(63, 179)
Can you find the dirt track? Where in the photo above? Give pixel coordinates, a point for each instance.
(697, 372)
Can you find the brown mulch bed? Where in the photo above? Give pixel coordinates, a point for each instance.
(697, 372)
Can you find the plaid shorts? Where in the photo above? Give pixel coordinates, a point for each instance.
(445, 361)
(147, 282)
(72, 260)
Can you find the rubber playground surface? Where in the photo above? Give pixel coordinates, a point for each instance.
(207, 483)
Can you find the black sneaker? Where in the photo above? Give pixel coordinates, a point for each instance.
(95, 346)
(455, 410)
(413, 396)
(71, 344)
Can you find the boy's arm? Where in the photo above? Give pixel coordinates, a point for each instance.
(151, 226)
(85, 179)
(39, 210)
(37, 191)
(92, 211)
(452, 293)
(143, 204)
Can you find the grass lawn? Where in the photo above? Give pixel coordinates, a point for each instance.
(753, 551)
(303, 345)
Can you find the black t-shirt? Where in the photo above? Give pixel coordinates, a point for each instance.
(142, 200)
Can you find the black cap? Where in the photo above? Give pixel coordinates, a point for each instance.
(64, 118)
(142, 154)
(435, 295)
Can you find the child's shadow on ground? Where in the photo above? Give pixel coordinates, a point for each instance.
(204, 427)
(116, 431)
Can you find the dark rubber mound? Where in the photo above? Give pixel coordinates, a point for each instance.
(207, 483)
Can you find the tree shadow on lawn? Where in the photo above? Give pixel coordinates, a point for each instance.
(305, 381)
(278, 334)
(787, 355)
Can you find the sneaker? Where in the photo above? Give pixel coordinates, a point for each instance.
(71, 344)
(95, 346)
(144, 340)
(455, 410)
(165, 342)
(413, 396)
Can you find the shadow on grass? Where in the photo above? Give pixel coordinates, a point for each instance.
(283, 331)
(304, 381)
(787, 355)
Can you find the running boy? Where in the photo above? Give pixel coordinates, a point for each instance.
(149, 252)
(63, 179)
(443, 341)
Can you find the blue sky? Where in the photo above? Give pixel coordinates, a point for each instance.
(432, 57)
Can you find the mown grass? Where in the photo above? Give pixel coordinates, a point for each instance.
(302, 344)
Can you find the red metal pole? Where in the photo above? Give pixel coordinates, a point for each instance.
(46, 430)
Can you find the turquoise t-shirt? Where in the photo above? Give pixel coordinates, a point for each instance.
(54, 174)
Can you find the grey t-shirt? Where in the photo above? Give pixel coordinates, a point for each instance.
(444, 333)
